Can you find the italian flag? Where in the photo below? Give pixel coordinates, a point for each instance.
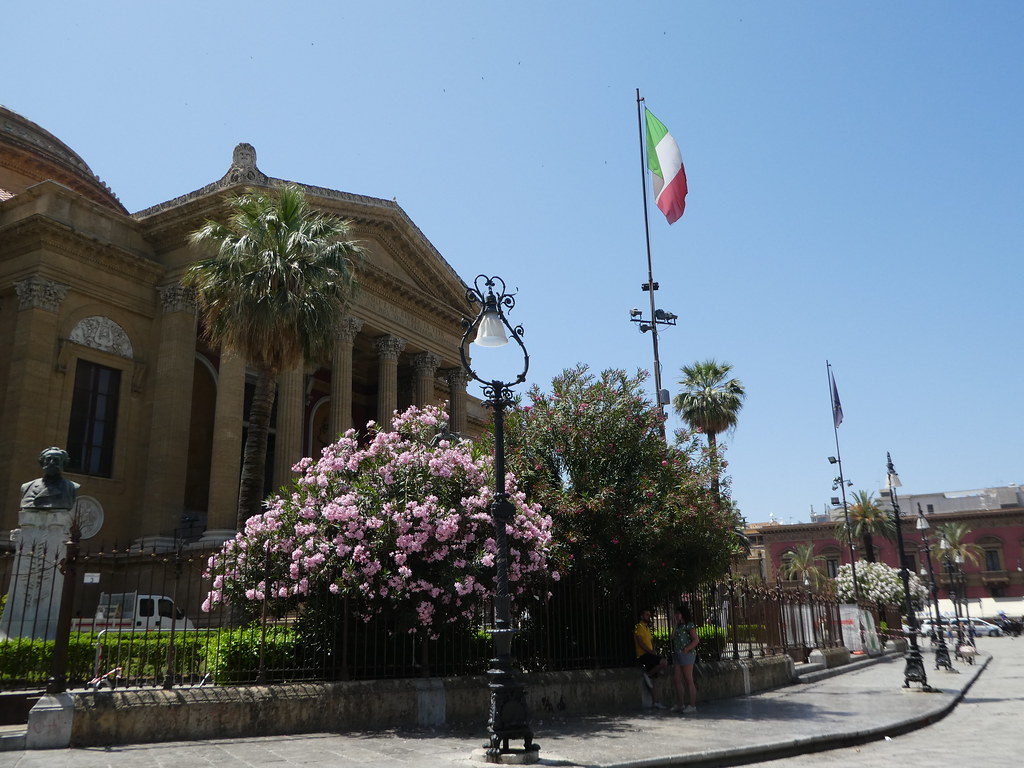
(666, 165)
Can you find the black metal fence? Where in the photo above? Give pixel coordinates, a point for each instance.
(136, 619)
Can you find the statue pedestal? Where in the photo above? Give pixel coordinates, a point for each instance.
(33, 601)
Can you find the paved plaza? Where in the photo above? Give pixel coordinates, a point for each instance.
(860, 707)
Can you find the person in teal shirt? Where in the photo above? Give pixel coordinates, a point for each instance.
(684, 654)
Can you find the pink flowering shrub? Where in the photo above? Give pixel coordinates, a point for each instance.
(400, 522)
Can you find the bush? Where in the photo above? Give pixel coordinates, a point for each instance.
(27, 661)
(235, 654)
(712, 643)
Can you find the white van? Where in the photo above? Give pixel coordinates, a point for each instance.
(130, 611)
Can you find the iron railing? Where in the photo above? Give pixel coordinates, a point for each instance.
(174, 642)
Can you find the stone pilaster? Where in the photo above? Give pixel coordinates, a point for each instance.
(341, 376)
(426, 365)
(167, 468)
(291, 406)
(457, 379)
(228, 420)
(388, 350)
(32, 360)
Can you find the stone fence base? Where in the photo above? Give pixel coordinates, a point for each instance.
(137, 716)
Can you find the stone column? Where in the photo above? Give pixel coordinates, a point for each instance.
(33, 350)
(388, 350)
(457, 379)
(291, 406)
(341, 376)
(226, 456)
(167, 467)
(426, 364)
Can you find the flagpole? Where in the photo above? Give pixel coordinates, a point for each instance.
(650, 285)
(833, 396)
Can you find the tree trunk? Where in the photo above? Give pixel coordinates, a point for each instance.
(254, 458)
(716, 490)
(869, 548)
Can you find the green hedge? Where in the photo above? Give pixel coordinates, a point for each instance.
(25, 661)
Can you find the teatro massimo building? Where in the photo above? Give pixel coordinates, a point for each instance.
(100, 350)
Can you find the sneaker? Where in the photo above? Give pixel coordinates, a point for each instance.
(676, 708)
(648, 682)
(658, 705)
(690, 710)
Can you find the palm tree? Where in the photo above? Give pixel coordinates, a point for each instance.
(954, 534)
(801, 564)
(867, 520)
(274, 293)
(710, 403)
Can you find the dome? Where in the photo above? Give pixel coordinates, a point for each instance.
(30, 154)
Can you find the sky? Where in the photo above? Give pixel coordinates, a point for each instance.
(855, 175)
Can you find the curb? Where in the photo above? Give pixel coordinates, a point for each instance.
(763, 752)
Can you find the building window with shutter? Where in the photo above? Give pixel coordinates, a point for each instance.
(93, 426)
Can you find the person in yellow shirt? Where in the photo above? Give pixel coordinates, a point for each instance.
(650, 662)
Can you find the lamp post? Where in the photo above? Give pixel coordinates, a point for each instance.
(942, 652)
(962, 577)
(509, 717)
(914, 669)
(953, 589)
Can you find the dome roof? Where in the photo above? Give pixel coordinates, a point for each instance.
(30, 154)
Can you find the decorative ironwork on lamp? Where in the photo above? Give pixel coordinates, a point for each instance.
(509, 715)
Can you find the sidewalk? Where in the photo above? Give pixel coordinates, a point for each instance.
(860, 705)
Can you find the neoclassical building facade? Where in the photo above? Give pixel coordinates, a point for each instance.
(101, 351)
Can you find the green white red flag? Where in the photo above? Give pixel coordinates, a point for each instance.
(665, 163)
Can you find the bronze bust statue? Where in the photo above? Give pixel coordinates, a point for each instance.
(52, 491)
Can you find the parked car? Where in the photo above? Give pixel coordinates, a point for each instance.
(978, 627)
(981, 628)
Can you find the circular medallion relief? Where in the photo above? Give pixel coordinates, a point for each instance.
(89, 514)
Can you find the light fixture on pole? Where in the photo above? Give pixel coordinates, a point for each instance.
(953, 588)
(914, 670)
(941, 652)
(841, 483)
(659, 317)
(509, 716)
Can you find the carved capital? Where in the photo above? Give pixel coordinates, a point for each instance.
(389, 347)
(426, 364)
(457, 378)
(177, 298)
(38, 293)
(348, 329)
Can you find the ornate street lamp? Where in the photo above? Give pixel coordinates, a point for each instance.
(914, 670)
(953, 589)
(942, 652)
(509, 717)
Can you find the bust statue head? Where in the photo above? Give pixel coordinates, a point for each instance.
(53, 460)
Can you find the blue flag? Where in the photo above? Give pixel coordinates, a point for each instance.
(837, 407)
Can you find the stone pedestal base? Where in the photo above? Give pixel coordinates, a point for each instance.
(49, 722)
(512, 757)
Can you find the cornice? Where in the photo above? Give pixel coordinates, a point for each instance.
(27, 162)
(41, 232)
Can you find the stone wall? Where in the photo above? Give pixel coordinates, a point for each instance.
(131, 717)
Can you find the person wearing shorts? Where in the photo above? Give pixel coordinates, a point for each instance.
(650, 662)
(684, 655)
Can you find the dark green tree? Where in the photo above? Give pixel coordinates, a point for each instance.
(627, 509)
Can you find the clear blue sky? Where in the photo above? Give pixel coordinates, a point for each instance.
(855, 175)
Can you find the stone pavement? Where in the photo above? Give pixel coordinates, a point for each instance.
(866, 703)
